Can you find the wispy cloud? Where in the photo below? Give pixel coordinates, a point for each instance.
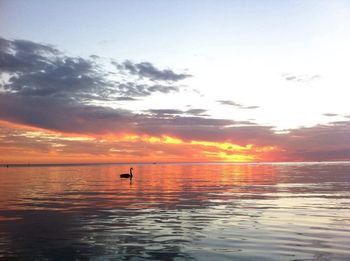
(165, 111)
(197, 112)
(149, 71)
(238, 105)
(194, 112)
(330, 114)
(301, 78)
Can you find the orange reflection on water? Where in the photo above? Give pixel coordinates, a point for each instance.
(76, 187)
(186, 205)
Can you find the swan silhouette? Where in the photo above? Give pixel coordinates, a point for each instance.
(127, 175)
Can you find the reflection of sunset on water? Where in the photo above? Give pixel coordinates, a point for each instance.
(155, 183)
(179, 209)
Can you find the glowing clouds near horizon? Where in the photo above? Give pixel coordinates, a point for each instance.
(25, 144)
(210, 151)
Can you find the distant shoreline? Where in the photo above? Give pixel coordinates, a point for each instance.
(21, 165)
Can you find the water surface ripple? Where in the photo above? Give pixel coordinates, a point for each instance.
(297, 211)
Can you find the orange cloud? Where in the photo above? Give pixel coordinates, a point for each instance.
(22, 144)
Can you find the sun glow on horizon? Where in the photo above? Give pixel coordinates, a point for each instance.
(45, 146)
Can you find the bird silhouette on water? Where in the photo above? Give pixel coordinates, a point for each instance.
(127, 175)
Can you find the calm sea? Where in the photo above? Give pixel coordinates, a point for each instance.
(176, 212)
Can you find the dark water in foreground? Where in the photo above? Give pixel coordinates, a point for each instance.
(176, 212)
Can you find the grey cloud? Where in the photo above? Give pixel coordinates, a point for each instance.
(149, 71)
(73, 117)
(60, 115)
(196, 128)
(194, 112)
(238, 105)
(330, 114)
(163, 88)
(250, 107)
(301, 78)
(130, 89)
(31, 47)
(290, 78)
(67, 77)
(16, 57)
(225, 102)
(197, 112)
(125, 99)
(39, 70)
(165, 111)
(323, 155)
(313, 143)
(94, 56)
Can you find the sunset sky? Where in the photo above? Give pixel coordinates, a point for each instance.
(173, 81)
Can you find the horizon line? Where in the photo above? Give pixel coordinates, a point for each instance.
(4, 165)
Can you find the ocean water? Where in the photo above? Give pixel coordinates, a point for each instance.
(298, 211)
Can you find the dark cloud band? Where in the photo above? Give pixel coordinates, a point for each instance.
(39, 70)
(149, 71)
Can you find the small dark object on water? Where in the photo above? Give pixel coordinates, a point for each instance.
(127, 175)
